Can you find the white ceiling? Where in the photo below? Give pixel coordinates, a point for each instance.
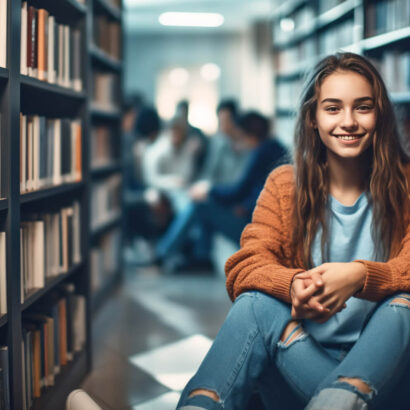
(142, 15)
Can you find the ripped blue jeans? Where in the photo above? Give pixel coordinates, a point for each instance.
(248, 355)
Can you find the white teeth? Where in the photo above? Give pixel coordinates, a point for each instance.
(347, 137)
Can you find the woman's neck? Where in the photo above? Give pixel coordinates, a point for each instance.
(346, 178)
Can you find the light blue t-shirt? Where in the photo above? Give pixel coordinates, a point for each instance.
(350, 238)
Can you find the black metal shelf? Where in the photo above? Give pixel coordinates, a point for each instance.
(66, 11)
(386, 39)
(105, 113)
(103, 59)
(69, 378)
(106, 225)
(287, 7)
(50, 192)
(336, 13)
(105, 169)
(33, 83)
(3, 320)
(107, 7)
(50, 284)
(4, 204)
(298, 35)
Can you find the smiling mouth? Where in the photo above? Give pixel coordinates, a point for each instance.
(348, 137)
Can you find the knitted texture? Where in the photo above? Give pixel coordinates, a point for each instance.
(265, 261)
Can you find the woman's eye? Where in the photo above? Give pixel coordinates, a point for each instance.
(332, 109)
(364, 107)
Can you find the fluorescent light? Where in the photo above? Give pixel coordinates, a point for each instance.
(210, 72)
(191, 19)
(287, 24)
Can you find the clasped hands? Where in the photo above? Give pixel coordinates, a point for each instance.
(319, 293)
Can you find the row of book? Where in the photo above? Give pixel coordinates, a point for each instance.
(298, 20)
(104, 258)
(105, 88)
(288, 59)
(287, 94)
(105, 200)
(394, 67)
(102, 147)
(107, 36)
(49, 246)
(50, 152)
(4, 378)
(52, 335)
(336, 37)
(386, 15)
(3, 33)
(3, 273)
(49, 51)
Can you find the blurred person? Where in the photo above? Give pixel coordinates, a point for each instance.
(182, 113)
(226, 155)
(227, 208)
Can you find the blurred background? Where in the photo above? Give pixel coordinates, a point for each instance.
(179, 110)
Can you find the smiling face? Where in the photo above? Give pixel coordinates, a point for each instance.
(345, 114)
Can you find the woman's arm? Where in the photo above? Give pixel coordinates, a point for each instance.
(261, 263)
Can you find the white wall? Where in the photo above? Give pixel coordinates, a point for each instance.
(244, 58)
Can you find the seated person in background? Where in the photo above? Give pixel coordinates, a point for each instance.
(227, 208)
(182, 114)
(226, 155)
(169, 164)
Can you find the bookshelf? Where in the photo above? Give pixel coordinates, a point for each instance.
(304, 31)
(46, 191)
(104, 52)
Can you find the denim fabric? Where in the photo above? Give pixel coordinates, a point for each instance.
(247, 355)
(210, 217)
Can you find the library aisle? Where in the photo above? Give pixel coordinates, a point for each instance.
(149, 318)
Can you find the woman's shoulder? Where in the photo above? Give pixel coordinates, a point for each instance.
(282, 176)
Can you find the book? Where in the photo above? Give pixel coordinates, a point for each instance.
(3, 274)
(23, 48)
(3, 33)
(32, 41)
(42, 55)
(51, 75)
(4, 379)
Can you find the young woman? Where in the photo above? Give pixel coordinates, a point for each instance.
(322, 280)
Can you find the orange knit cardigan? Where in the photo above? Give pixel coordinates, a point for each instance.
(265, 261)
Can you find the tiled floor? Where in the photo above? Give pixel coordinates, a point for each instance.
(151, 317)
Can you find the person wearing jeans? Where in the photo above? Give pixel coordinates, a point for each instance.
(321, 283)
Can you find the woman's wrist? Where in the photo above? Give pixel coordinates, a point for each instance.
(358, 275)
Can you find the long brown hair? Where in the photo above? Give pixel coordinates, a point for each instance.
(386, 180)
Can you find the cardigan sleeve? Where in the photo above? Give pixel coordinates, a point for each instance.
(386, 278)
(260, 264)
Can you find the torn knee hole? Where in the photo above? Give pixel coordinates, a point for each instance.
(362, 386)
(292, 332)
(204, 392)
(401, 300)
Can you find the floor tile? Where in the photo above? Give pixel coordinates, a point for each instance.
(174, 364)
(167, 401)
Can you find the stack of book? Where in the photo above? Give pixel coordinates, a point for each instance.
(50, 245)
(50, 152)
(107, 36)
(386, 15)
(105, 200)
(49, 51)
(105, 90)
(3, 280)
(3, 33)
(4, 379)
(51, 337)
(101, 146)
